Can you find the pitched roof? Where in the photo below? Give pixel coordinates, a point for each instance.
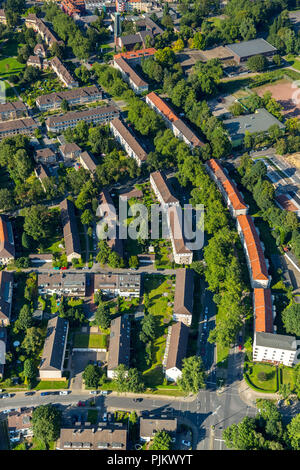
(78, 115)
(7, 247)
(184, 291)
(162, 106)
(74, 93)
(136, 54)
(263, 315)
(129, 138)
(56, 337)
(178, 345)
(176, 230)
(94, 438)
(89, 161)
(271, 340)
(130, 72)
(70, 229)
(163, 186)
(119, 342)
(254, 249)
(6, 280)
(230, 188)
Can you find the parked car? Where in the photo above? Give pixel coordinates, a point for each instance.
(104, 392)
(104, 416)
(28, 394)
(186, 443)
(80, 403)
(93, 392)
(206, 310)
(64, 392)
(43, 394)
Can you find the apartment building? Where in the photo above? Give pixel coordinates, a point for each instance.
(175, 352)
(253, 250)
(274, 348)
(19, 423)
(184, 296)
(70, 151)
(73, 7)
(12, 110)
(52, 362)
(178, 127)
(74, 97)
(181, 253)
(7, 244)
(101, 115)
(6, 294)
(88, 162)
(119, 344)
(45, 156)
(25, 126)
(66, 284)
(233, 198)
(132, 40)
(70, 230)
(124, 285)
(162, 189)
(36, 61)
(130, 76)
(125, 137)
(38, 25)
(103, 436)
(40, 51)
(62, 73)
(264, 313)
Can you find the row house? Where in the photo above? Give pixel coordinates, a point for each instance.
(88, 162)
(119, 344)
(7, 244)
(74, 97)
(24, 126)
(161, 187)
(233, 198)
(102, 436)
(175, 352)
(128, 141)
(38, 25)
(6, 294)
(13, 110)
(253, 250)
(53, 356)
(101, 115)
(70, 230)
(66, 284)
(184, 296)
(62, 73)
(178, 127)
(124, 285)
(106, 211)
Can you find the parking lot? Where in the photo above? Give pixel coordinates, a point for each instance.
(79, 362)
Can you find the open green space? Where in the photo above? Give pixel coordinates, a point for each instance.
(51, 385)
(262, 377)
(92, 340)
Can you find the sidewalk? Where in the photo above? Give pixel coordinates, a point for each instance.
(249, 396)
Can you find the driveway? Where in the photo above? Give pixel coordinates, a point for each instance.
(79, 362)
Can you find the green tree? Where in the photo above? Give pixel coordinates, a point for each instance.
(294, 432)
(46, 422)
(133, 262)
(91, 375)
(24, 320)
(33, 340)
(193, 375)
(257, 63)
(291, 319)
(29, 371)
(162, 441)
(102, 316)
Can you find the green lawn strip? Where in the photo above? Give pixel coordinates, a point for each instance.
(51, 385)
(287, 376)
(92, 416)
(269, 385)
(222, 356)
(82, 340)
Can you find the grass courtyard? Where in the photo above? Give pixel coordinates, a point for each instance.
(92, 340)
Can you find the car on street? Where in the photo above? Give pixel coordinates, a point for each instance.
(104, 416)
(28, 394)
(240, 347)
(80, 403)
(43, 394)
(206, 310)
(64, 392)
(205, 318)
(186, 443)
(93, 392)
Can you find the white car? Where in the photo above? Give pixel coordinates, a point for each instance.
(93, 392)
(64, 392)
(104, 416)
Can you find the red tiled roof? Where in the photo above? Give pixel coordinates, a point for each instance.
(162, 107)
(230, 188)
(136, 54)
(263, 315)
(254, 249)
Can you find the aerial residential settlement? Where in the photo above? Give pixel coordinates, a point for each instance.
(149, 226)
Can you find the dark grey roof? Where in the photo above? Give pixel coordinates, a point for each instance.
(260, 121)
(70, 229)
(178, 345)
(119, 343)
(56, 338)
(271, 340)
(249, 48)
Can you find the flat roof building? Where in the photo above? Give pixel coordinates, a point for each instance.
(242, 51)
(150, 426)
(260, 121)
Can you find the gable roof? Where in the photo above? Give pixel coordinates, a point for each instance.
(56, 337)
(7, 247)
(178, 345)
(184, 290)
(163, 187)
(263, 315)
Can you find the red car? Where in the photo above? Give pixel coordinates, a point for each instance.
(80, 403)
(63, 268)
(240, 347)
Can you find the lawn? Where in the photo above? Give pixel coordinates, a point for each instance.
(287, 376)
(51, 385)
(160, 292)
(9, 65)
(92, 416)
(82, 340)
(269, 384)
(222, 355)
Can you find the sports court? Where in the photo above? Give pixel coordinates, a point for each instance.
(284, 91)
